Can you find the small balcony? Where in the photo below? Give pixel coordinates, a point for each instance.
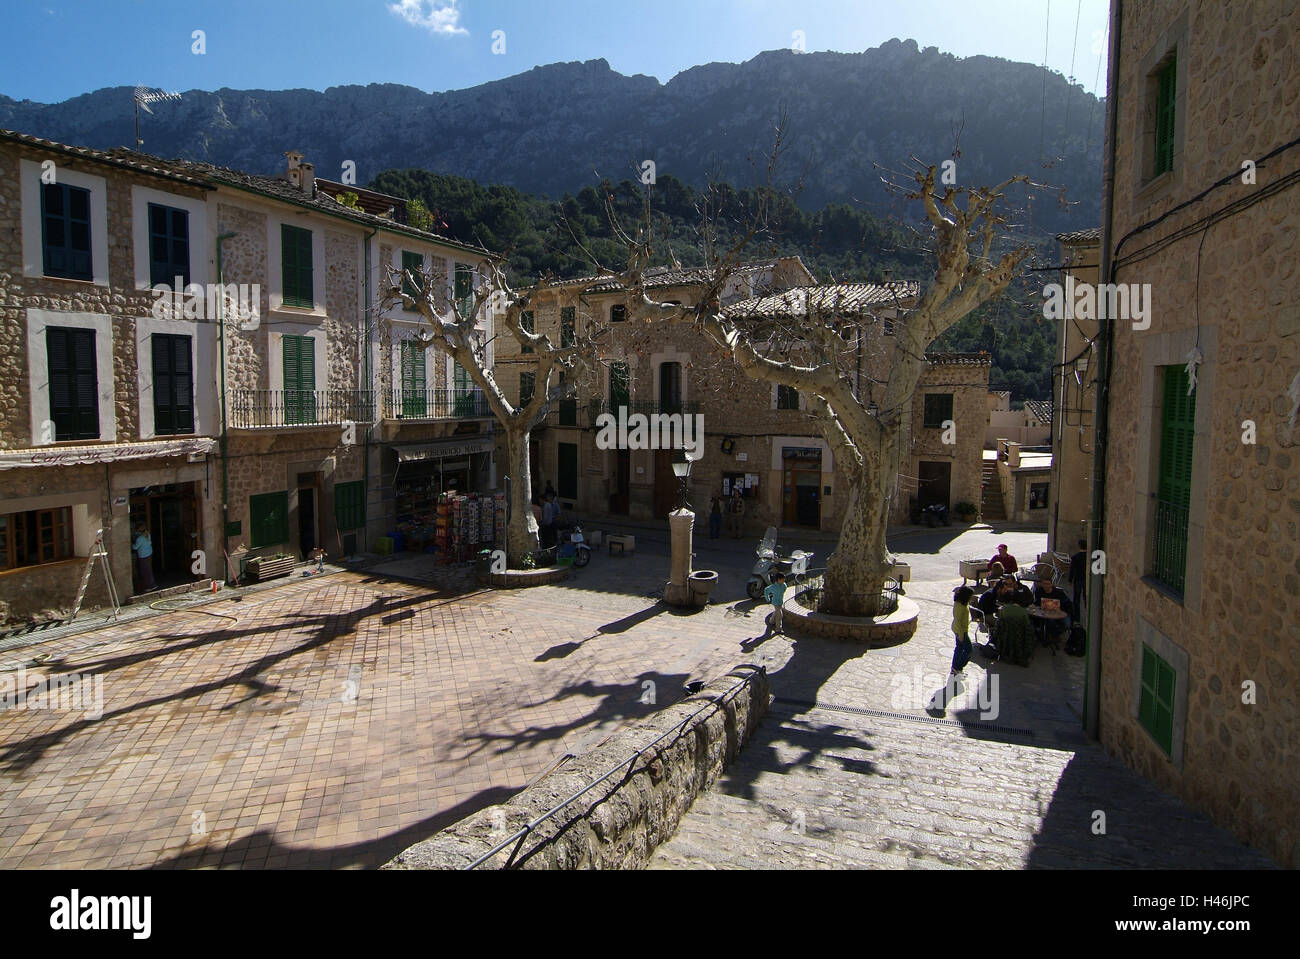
(272, 409)
(421, 406)
(1169, 555)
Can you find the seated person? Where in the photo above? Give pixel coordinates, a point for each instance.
(1046, 589)
(1014, 634)
(1004, 559)
(999, 592)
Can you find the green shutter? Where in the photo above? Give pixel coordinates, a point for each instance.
(173, 385)
(938, 410)
(350, 505)
(415, 263)
(1174, 484)
(414, 397)
(568, 320)
(74, 383)
(1156, 701)
(268, 519)
(169, 245)
(299, 380)
(1166, 103)
(620, 386)
(296, 266)
(527, 388)
(65, 225)
(787, 398)
(464, 289)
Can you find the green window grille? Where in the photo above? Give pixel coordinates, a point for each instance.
(268, 519)
(74, 383)
(299, 380)
(1174, 486)
(415, 401)
(65, 226)
(938, 410)
(173, 385)
(527, 388)
(295, 266)
(1166, 102)
(350, 505)
(1156, 704)
(464, 289)
(787, 398)
(526, 321)
(413, 263)
(567, 481)
(169, 245)
(620, 386)
(568, 320)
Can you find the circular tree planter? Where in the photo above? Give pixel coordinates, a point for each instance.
(525, 578)
(879, 631)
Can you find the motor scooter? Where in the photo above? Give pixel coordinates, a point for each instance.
(770, 562)
(573, 539)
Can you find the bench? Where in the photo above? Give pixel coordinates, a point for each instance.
(625, 544)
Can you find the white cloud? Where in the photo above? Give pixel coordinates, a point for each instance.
(436, 16)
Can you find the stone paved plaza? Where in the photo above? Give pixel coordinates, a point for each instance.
(334, 721)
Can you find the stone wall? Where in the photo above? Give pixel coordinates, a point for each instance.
(618, 824)
(1233, 630)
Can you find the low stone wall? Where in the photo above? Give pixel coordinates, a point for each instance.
(524, 578)
(618, 824)
(898, 627)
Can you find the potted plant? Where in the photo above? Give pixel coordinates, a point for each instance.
(966, 511)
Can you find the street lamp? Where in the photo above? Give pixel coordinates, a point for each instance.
(682, 471)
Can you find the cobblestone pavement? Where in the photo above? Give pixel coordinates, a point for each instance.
(334, 721)
(865, 761)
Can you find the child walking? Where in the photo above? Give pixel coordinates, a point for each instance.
(775, 595)
(961, 628)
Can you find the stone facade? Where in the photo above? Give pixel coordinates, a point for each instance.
(1226, 286)
(772, 444)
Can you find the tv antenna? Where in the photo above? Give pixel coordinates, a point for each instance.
(143, 97)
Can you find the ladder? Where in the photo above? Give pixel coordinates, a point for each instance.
(97, 552)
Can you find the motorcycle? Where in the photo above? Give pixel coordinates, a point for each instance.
(572, 539)
(770, 562)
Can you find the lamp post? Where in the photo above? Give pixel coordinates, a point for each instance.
(681, 527)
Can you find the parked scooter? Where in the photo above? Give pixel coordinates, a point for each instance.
(770, 562)
(573, 539)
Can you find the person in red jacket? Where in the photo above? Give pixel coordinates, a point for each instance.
(1007, 561)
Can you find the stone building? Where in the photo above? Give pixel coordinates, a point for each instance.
(1074, 379)
(756, 437)
(1195, 651)
(116, 417)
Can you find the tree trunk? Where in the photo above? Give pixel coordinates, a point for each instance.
(857, 569)
(521, 533)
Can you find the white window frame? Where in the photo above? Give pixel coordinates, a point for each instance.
(141, 197)
(34, 231)
(275, 370)
(38, 363)
(275, 264)
(205, 364)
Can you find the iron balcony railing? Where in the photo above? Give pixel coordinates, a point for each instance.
(1169, 557)
(262, 409)
(436, 405)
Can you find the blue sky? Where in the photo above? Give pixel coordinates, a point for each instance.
(67, 47)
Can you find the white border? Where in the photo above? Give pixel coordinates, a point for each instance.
(141, 197)
(205, 364)
(38, 364)
(33, 234)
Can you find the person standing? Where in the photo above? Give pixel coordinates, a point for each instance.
(961, 629)
(142, 546)
(775, 594)
(548, 520)
(736, 514)
(1079, 577)
(715, 517)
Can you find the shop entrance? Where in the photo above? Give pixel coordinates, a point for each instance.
(171, 515)
(801, 490)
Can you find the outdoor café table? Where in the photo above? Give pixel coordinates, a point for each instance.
(1041, 617)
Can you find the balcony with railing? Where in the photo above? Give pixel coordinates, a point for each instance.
(1169, 553)
(426, 405)
(271, 409)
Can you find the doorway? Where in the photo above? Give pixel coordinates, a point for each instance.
(307, 521)
(667, 487)
(934, 483)
(171, 515)
(620, 501)
(801, 493)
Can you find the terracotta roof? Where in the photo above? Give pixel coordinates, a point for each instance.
(1041, 410)
(837, 299)
(140, 162)
(207, 175)
(959, 359)
(1081, 237)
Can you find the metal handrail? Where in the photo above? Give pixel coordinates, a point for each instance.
(415, 405)
(522, 834)
(804, 582)
(274, 408)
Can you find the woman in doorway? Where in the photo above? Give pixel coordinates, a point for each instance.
(142, 546)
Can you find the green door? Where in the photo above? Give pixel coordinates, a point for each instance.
(299, 380)
(463, 387)
(414, 398)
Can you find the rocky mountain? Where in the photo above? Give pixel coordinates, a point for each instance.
(559, 128)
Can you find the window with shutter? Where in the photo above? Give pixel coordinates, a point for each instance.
(414, 369)
(1166, 105)
(670, 387)
(268, 519)
(350, 505)
(414, 264)
(1174, 485)
(787, 398)
(620, 386)
(1156, 702)
(173, 385)
(74, 383)
(938, 410)
(464, 289)
(299, 380)
(568, 408)
(296, 266)
(527, 388)
(169, 245)
(568, 320)
(65, 225)
(526, 321)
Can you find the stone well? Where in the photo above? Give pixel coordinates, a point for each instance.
(898, 627)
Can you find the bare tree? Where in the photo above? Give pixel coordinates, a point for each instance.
(453, 328)
(855, 354)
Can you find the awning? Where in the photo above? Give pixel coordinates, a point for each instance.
(445, 449)
(111, 453)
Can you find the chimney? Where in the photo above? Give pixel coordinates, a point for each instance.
(294, 174)
(308, 178)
